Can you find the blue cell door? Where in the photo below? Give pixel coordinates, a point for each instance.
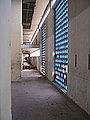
(61, 43)
(43, 48)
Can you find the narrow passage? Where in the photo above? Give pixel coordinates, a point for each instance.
(34, 98)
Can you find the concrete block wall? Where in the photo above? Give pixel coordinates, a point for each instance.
(5, 61)
(79, 43)
(16, 38)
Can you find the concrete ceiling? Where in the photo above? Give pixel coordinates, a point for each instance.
(27, 10)
(38, 12)
(39, 9)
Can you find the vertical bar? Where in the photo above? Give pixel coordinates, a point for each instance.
(61, 42)
(43, 48)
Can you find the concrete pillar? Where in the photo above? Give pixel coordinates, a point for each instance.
(16, 38)
(5, 64)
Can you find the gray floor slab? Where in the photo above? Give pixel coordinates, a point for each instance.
(34, 98)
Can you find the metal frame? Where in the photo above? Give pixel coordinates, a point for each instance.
(43, 35)
(63, 84)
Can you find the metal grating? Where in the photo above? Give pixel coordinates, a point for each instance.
(61, 43)
(43, 48)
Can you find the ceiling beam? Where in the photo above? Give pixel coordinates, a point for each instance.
(29, 1)
(28, 9)
(29, 46)
(26, 23)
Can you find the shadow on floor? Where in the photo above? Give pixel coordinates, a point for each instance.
(34, 98)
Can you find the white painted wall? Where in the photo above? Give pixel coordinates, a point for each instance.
(16, 38)
(79, 43)
(5, 64)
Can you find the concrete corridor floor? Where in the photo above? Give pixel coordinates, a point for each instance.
(34, 98)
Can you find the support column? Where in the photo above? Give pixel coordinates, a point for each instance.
(5, 64)
(16, 37)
